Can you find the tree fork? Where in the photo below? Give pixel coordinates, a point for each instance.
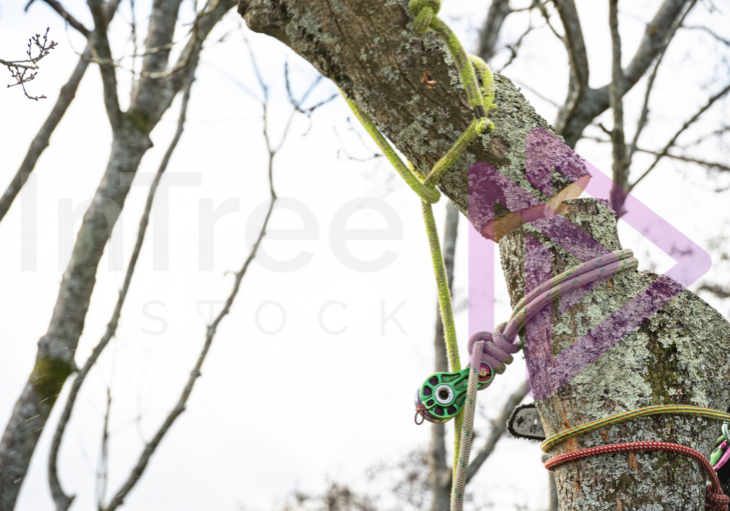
(370, 50)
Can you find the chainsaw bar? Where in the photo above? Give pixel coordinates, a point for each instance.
(525, 423)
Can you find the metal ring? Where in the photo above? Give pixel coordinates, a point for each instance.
(443, 400)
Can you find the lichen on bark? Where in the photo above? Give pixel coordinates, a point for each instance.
(676, 356)
(370, 50)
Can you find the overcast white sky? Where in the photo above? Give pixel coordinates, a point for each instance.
(280, 411)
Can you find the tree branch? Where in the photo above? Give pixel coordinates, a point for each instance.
(715, 289)
(179, 408)
(681, 130)
(644, 116)
(618, 140)
(63, 501)
(574, 43)
(42, 138)
(712, 33)
(489, 33)
(54, 360)
(106, 66)
(162, 85)
(56, 6)
(499, 426)
(573, 119)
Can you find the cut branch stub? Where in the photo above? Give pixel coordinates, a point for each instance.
(370, 49)
(676, 356)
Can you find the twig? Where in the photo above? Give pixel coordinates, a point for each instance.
(716, 133)
(56, 6)
(63, 501)
(40, 141)
(618, 139)
(499, 426)
(715, 289)
(133, 37)
(516, 45)
(489, 33)
(536, 93)
(689, 159)
(42, 138)
(179, 408)
(644, 116)
(546, 15)
(19, 69)
(686, 125)
(102, 473)
(102, 51)
(714, 35)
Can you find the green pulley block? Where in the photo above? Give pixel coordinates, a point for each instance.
(442, 395)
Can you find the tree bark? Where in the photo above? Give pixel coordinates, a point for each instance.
(677, 356)
(369, 49)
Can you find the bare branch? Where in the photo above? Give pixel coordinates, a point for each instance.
(40, 142)
(724, 167)
(42, 138)
(644, 116)
(715, 289)
(56, 6)
(499, 426)
(546, 15)
(489, 33)
(655, 39)
(102, 471)
(714, 34)
(573, 119)
(19, 69)
(155, 101)
(620, 163)
(179, 408)
(574, 43)
(686, 125)
(514, 47)
(537, 93)
(61, 499)
(715, 133)
(102, 51)
(58, 345)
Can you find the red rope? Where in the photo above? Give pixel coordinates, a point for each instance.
(716, 500)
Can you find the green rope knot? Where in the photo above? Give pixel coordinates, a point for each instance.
(424, 11)
(483, 125)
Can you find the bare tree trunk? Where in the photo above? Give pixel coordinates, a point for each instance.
(369, 49)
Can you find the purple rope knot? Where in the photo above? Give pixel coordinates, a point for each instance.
(496, 350)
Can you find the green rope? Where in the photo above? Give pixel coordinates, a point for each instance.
(482, 101)
(695, 411)
(476, 127)
(428, 193)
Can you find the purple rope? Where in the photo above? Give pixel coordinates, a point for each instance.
(499, 346)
